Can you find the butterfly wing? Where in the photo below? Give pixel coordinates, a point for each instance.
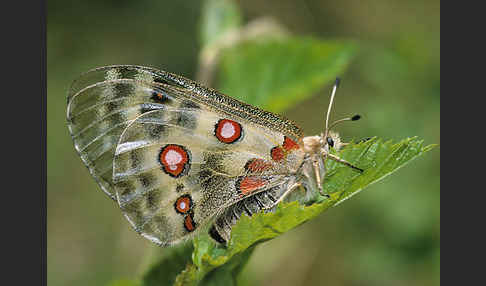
(174, 153)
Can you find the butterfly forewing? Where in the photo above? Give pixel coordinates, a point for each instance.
(173, 153)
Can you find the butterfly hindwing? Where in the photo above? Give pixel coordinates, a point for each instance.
(208, 173)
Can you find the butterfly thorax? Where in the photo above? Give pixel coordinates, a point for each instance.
(316, 149)
(312, 144)
(313, 169)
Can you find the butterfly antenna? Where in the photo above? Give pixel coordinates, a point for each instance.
(354, 118)
(333, 93)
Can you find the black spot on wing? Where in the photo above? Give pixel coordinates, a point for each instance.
(187, 120)
(125, 187)
(136, 156)
(146, 180)
(114, 105)
(152, 200)
(119, 91)
(155, 131)
(187, 117)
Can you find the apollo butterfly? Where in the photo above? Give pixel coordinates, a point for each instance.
(179, 157)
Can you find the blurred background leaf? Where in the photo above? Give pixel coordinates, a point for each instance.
(217, 18)
(164, 270)
(276, 74)
(124, 282)
(389, 235)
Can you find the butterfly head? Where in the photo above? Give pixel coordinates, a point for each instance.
(318, 148)
(331, 139)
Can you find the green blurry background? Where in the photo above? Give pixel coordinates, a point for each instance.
(387, 235)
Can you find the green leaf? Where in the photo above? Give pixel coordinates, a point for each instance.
(378, 158)
(218, 17)
(275, 74)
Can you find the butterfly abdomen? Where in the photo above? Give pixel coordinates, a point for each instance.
(264, 201)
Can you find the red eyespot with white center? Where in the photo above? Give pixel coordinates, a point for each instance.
(175, 160)
(227, 131)
(183, 204)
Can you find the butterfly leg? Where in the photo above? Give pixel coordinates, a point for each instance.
(288, 191)
(318, 179)
(339, 160)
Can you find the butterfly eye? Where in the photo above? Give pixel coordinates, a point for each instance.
(330, 141)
